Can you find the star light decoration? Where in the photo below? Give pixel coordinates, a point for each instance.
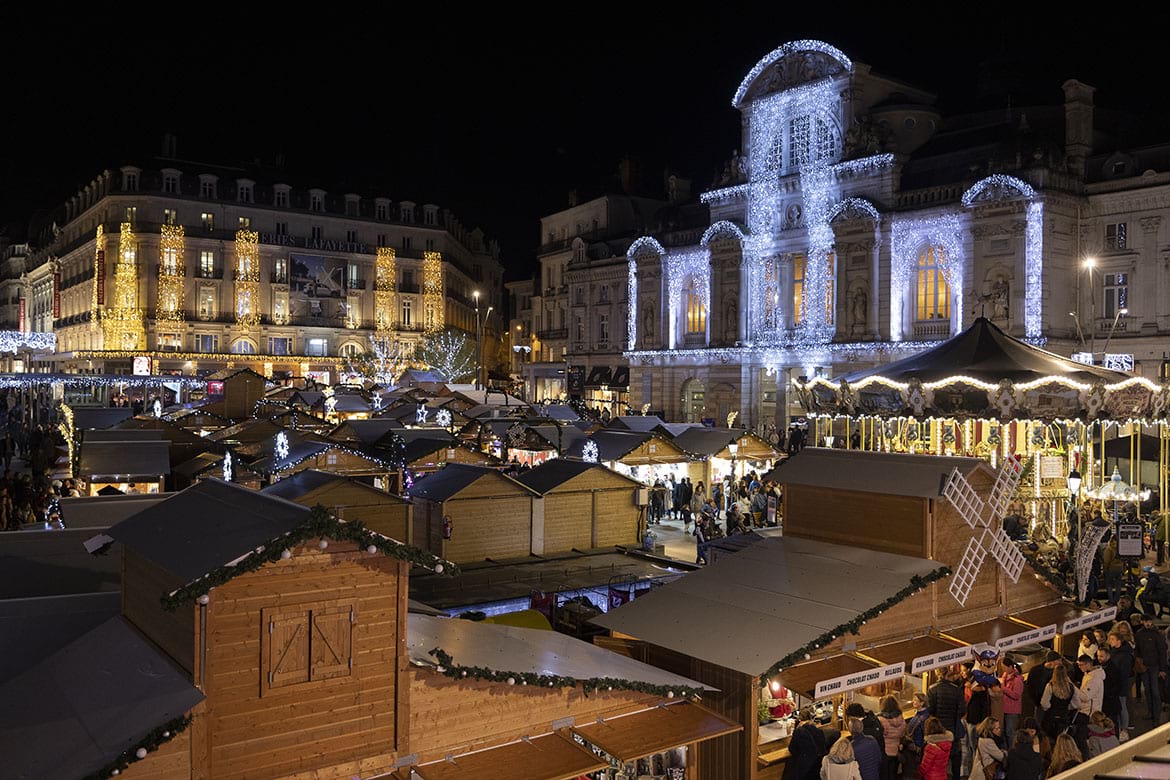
(443, 418)
(590, 452)
(281, 448)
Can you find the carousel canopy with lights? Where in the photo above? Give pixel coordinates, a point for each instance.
(984, 373)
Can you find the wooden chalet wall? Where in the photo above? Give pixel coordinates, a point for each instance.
(316, 715)
(458, 454)
(143, 583)
(655, 450)
(240, 394)
(875, 521)
(455, 716)
(490, 518)
(594, 509)
(169, 762)
(386, 514)
(427, 521)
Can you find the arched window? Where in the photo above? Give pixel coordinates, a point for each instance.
(810, 139)
(933, 298)
(350, 349)
(696, 307)
(799, 270)
(243, 347)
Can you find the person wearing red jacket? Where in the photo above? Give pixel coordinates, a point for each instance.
(936, 755)
(1012, 683)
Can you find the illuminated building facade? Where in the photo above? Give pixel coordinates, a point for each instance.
(860, 225)
(197, 268)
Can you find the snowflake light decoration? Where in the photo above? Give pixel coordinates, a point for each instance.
(443, 418)
(281, 445)
(227, 467)
(590, 453)
(157, 407)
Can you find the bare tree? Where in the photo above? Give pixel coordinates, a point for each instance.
(450, 354)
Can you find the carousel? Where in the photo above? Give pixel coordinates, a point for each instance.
(984, 394)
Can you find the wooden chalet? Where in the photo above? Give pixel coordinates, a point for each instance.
(430, 449)
(582, 506)
(324, 455)
(348, 499)
(630, 449)
(124, 461)
(304, 663)
(233, 393)
(711, 450)
(197, 420)
(363, 433)
(486, 514)
(862, 531)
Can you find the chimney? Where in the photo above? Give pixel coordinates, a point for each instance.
(628, 170)
(572, 198)
(1078, 124)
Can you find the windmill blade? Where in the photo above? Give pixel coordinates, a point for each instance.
(1007, 554)
(964, 577)
(963, 498)
(1006, 482)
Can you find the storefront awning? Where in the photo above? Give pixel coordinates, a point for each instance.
(621, 377)
(645, 733)
(548, 757)
(803, 678)
(598, 376)
(1053, 613)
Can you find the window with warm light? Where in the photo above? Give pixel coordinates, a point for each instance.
(933, 299)
(696, 307)
(1116, 291)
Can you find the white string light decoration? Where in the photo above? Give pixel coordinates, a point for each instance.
(281, 448)
(227, 467)
(908, 237)
(678, 267)
(590, 452)
(443, 418)
(644, 246)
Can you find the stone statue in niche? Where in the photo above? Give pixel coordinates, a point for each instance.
(648, 320)
(730, 320)
(858, 311)
(1000, 299)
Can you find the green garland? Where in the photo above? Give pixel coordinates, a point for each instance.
(1051, 576)
(320, 524)
(150, 743)
(446, 666)
(854, 626)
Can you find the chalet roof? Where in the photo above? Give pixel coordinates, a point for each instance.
(228, 373)
(701, 440)
(351, 402)
(301, 483)
(556, 472)
(367, 431)
(985, 352)
(105, 511)
(615, 444)
(158, 428)
(559, 412)
(82, 706)
(476, 397)
(423, 377)
(125, 458)
(765, 602)
(247, 431)
(39, 563)
(86, 417)
(199, 464)
(456, 477)
(119, 433)
(526, 651)
(33, 628)
(674, 429)
(635, 422)
(894, 474)
(562, 435)
(207, 526)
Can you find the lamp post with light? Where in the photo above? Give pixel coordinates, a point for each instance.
(1074, 494)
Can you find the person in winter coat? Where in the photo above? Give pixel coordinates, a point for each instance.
(1012, 683)
(1060, 701)
(1065, 755)
(936, 751)
(1102, 737)
(1121, 653)
(916, 732)
(807, 746)
(893, 729)
(1023, 762)
(988, 750)
(1111, 702)
(1150, 646)
(866, 751)
(840, 763)
(1038, 677)
(945, 701)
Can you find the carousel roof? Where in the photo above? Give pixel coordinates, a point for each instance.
(986, 353)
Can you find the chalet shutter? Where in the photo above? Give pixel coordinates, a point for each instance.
(288, 648)
(331, 643)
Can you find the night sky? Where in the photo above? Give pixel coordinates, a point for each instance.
(497, 119)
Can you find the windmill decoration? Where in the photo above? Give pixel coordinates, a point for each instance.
(517, 435)
(590, 453)
(1086, 551)
(980, 515)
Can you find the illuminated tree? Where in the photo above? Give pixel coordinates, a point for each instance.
(450, 354)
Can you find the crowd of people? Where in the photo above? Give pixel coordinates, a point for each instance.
(29, 439)
(984, 720)
(733, 506)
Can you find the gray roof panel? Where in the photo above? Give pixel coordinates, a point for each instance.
(871, 472)
(125, 458)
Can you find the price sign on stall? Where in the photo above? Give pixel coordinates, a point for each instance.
(857, 680)
(1085, 621)
(925, 663)
(1032, 637)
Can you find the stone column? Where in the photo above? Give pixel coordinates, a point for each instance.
(1154, 309)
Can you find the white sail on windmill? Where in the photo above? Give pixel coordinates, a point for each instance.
(981, 516)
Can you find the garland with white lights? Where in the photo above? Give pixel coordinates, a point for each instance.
(917, 584)
(909, 236)
(722, 231)
(645, 246)
(151, 742)
(319, 525)
(17, 341)
(447, 666)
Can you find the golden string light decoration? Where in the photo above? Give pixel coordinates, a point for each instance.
(99, 273)
(122, 323)
(247, 278)
(171, 274)
(433, 313)
(385, 290)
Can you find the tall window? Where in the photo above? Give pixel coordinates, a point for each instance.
(208, 220)
(207, 190)
(170, 216)
(934, 297)
(1115, 236)
(281, 199)
(799, 274)
(406, 307)
(603, 329)
(810, 139)
(696, 308)
(243, 347)
(1116, 293)
(207, 264)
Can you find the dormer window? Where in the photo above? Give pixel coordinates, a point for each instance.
(130, 182)
(351, 205)
(244, 191)
(382, 211)
(171, 183)
(281, 199)
(316, 200)
(207, 184)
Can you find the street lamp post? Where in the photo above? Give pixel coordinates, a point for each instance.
(478, 338)
(1074, 493)
(1116, 317)
(1090, 263)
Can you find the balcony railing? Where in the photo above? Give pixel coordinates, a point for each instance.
(932, 329)
(558, 333)
(408, 288)
(1105, 325)
(356, 284)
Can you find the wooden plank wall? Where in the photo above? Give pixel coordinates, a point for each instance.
(388, 516)
(455, 716)
(143, 584)
(427, 518)
(342, 723)
(171, 761)
(567, 521)
(732, 757)
(488, 528)
(894, 524)
(615, 518)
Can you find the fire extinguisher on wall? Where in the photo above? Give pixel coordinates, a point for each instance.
(447, 526)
